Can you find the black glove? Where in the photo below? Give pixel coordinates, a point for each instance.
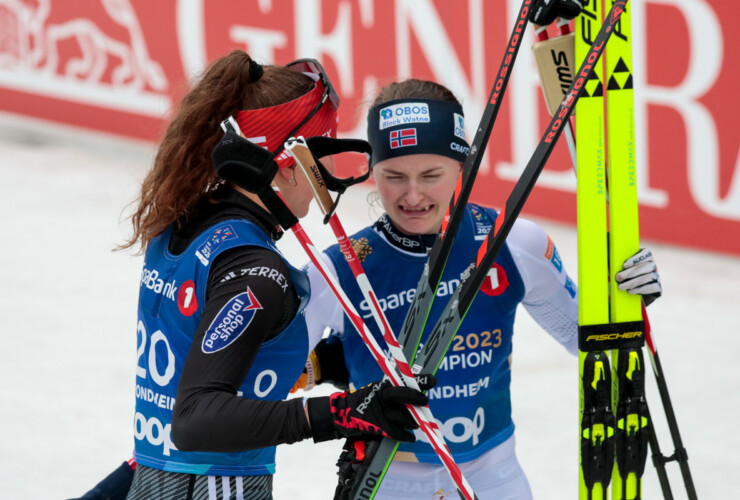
(374, 411)
(639, 276)
(544, 12)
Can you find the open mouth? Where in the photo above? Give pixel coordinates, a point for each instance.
(416, 211)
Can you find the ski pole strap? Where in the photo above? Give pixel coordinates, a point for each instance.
(320, 179)
(679, 455)
(604, 337)
(243, 163)
(278, 208)
(321, 146)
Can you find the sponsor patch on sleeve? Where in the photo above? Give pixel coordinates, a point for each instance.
(230, 322)
(553, 256)
(265, 272)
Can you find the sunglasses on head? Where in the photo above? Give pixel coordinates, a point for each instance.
(314, 67)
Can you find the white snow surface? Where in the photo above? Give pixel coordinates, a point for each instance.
(68, 351)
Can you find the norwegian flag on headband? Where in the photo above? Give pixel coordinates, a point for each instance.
(269, 127)
(403, 137)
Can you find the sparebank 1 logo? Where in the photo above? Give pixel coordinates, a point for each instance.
(496, 281)
(230, 322)
(187, 300)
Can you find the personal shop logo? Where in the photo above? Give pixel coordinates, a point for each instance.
(230, 322)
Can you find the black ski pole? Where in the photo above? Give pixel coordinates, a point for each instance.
(679, 455)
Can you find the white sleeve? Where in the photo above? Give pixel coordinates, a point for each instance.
(550, 296)
(323, 309)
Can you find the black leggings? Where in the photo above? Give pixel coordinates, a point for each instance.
(151, 484)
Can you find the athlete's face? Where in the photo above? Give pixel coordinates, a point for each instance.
(415, 190)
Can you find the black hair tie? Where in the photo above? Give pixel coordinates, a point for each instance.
(255, 71)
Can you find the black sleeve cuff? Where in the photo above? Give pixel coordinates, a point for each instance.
(319, 416)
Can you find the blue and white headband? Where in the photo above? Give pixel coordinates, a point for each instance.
(417, 126)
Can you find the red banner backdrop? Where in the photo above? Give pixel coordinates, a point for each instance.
(120, 65)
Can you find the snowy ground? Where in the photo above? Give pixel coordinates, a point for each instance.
(68, 317)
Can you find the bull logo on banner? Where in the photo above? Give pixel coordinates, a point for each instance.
(98, 56)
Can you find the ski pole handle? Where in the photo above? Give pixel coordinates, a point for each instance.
(303, 157)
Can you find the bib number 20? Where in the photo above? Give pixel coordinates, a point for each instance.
(162, 379)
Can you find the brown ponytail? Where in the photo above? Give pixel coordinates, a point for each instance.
(182, 173)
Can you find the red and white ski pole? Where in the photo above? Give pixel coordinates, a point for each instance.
(404, 376)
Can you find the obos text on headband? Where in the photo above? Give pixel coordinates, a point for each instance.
(312, 114)
(416, 126)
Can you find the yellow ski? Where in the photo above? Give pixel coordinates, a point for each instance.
(628, 371)
(613, 415)
(596, 426)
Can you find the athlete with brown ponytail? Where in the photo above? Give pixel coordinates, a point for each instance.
(221, 337)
